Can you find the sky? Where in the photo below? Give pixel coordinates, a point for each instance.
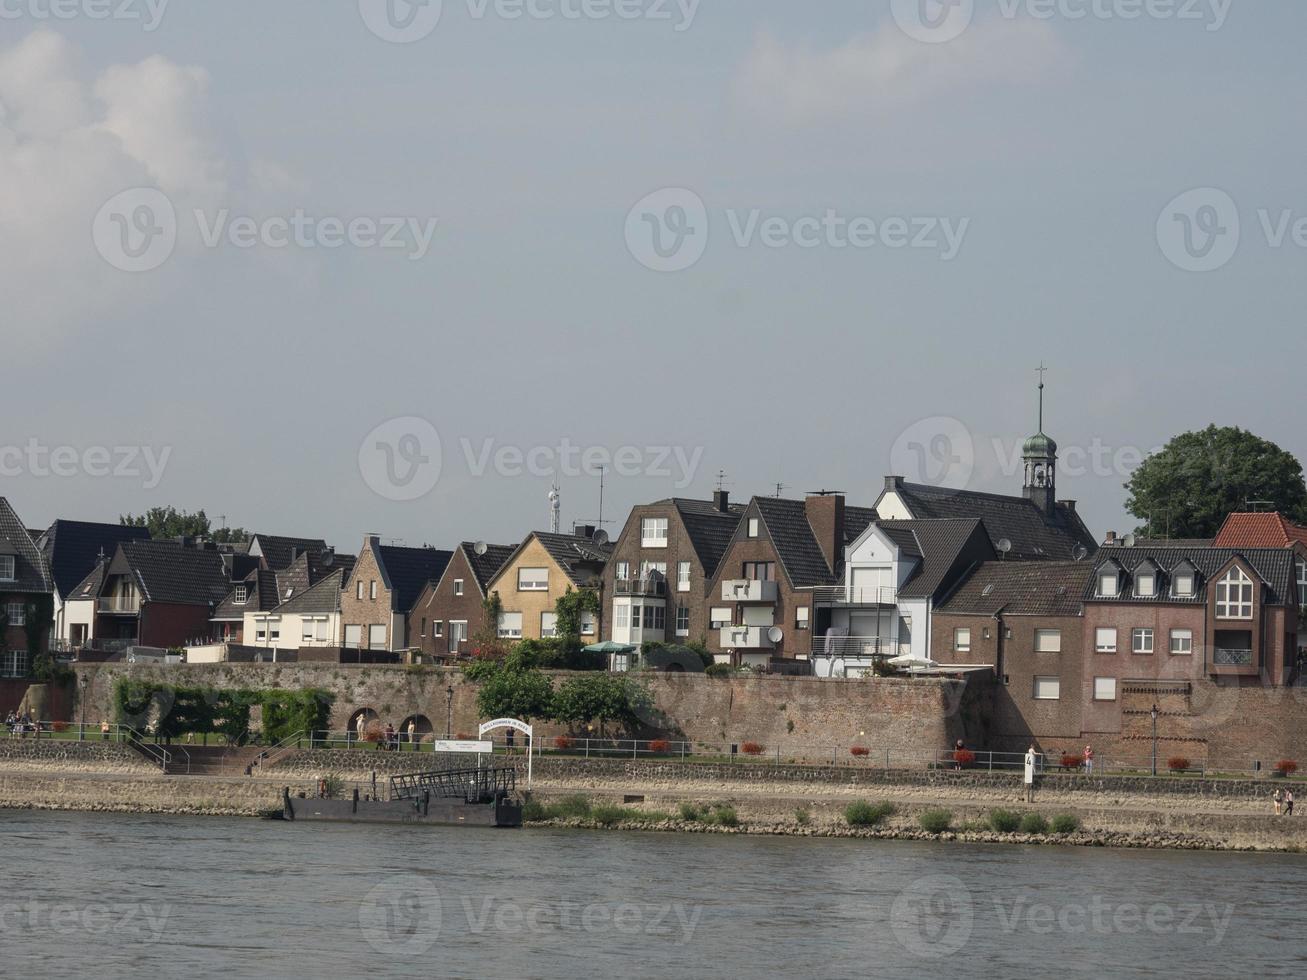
(332, 267)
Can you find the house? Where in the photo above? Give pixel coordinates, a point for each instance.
(883, 603)
(278, 553)
(1260, 530)
(25, 587)
(1025, 619)
(662, 566)
(150, 593)
(261, 590)
(540, 571)
(762, 595)
(309, 618)
(449, 612)
(72, 549)
(381, 590)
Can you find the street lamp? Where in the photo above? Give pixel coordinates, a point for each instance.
(1154, 714)
(449, 710)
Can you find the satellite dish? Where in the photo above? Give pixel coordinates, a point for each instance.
(481, 547)
(328, 558)
(1129, 540)
(1004, 546)
(775, 634)
(1080, 553)
(601, 537)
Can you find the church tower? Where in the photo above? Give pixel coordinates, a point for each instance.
(1040, 455)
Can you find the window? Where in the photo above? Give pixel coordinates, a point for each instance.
(510, 626)
(621, 616)
(653, 532)
(423, 631)
(760, 571)
(682, 620)
(802, 618)
(457, 633)
(1146, 585)
(648, 568)
(6, 568)
(353, 636)
(655, 618)
(358, 590)
(720, 617)
(1234, 596)
(242, 593)
(682, 576)
(260, 635)
(1107, 583)
(1141, 641)
(1105, 640)
(275, 633)
(533, 580)
(17, 614)
(962, 640)
(377, 636)
(1182, 584)
(372, 590)
(548, 624)
(437, 627)
(1104, 688)
(1302, 584)
(753, 527)
(458, 586)
(1048, 641)
(623, 571)
(323, 629)
(1182, 642)
(587, 624)
(1048, 688)
(13, 663)
(306, 631)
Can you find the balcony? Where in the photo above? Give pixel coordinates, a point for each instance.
(746, 638)
(1224, 657)
(748, 590)
(120, 605)
(859, 646)
(650, 587)
(842, 595)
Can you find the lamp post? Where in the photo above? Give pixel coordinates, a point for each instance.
(1154, 714)
(449, 710)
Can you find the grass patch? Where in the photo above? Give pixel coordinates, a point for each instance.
(864, 814)
(803, 816)
(1034, 823)
(723, 814)
(1004, 821)
(1066, 823)
(935, 821)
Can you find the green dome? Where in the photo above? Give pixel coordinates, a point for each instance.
(1039, 445)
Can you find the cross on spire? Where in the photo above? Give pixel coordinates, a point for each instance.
(1042, 371)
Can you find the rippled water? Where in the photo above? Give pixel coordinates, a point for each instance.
(133, 896)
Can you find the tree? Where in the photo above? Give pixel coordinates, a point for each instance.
(1187, 488)
(511, 693)
(569, 610)
(169, 522)
(602, 698)
(486, 644)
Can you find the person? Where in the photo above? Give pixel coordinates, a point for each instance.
(391, 740)
(322, 789)
(1030, 774)
(1288, 803)
(958, 747)
(104, 730)
(1276, 798)
(412, 728)
(359, 725)
(1089, 759)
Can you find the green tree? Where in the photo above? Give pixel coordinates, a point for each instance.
(601, 698)
(570, 609)
(486, 644)
(169, 522)
(510, 693)
(1186, 489)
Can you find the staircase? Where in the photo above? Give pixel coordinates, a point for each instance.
(215, 760)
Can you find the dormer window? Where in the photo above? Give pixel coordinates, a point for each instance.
(1182, 583)
(1146, 584)
(1234, 595)
(6, 568)
(242, 594)
(1108, 583)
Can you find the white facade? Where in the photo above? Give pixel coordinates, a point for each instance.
(291, 631)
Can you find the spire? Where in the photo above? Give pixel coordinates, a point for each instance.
(1042, 370)
(1040, 454)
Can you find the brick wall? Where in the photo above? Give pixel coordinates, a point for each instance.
(367, 612)
(438, 603)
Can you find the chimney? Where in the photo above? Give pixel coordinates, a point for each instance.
(721, 501)
(1110, 540)
(374, 540)
(893, 483)
(826, 518)
(586, 531)
(1069, 505)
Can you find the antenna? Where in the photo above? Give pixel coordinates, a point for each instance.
(1004, 547)
(480, 548)
(780, 489)
(721, 480)
(599, 521)
(555, 509)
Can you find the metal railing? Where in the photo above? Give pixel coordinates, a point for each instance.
(841, 595)
(118, 604)
(470, 785)
(640, 586)
(1225, 657)
(869, 647)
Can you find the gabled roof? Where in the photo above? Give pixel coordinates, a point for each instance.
(260, 596)
(580, 558)
(1274, 566)
(796, 546)
(322, 598)
(486, 567)
(278, 552)
(1022, 588)
(308, 569)
(166, 571)
(710, 530)
(946, 548)
(1259, 531)
(72, 548)
(31, 574)
(406, 571)
(1017, 519)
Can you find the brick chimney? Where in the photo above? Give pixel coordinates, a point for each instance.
(721, 501)
(826, 518)
(893, 483)
(1110, 540)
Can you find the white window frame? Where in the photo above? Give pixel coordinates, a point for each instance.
(682, 576)
(803, 618)
(358, 636)
(1043, 635)
(1146, 577)
(1116, 583)
(533, 579)
(653, 532)
(17, 613)
(1232, 604)
(1178, 579)
(588, 623)
(458, 586)
(242, 594)
(1143, 641)
(1100, 683)
(457, 633)
(374, 636)
(505, 630)
(1302, 583)
(962, 639)
(372, 590)
(13, 663)
(716, 619)
(682, 620)
(753, 527)
(437, 628)
(1101, 645)
(621, 615)
(1042, 682)
(306, 629)
(1185, 638)
(358, 590)
(8, 568)
(548, 624)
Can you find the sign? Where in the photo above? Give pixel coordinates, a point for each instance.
(456, 745)
(513, 723)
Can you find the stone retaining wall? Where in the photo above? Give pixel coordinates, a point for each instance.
(141, 793)
(49, 753)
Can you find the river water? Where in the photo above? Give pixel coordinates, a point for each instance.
(96, 895)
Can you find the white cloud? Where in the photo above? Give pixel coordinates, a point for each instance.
(880, 72)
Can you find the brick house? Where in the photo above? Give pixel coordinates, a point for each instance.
(761, 597)
(538, 573)
(1025, 620)
(246, 615)
(663, 563)
(450, 611)
(24, 578)
(72, 549)
(381, 590)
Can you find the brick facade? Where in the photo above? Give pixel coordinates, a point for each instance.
(441, 604)
(360, 607)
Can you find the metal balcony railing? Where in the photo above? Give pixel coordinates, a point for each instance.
(859, 646)
(841, 595)
(129, 605)
(641, 586)
(1225, 657)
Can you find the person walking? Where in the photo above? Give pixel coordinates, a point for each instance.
(1288, 803)
(1277, 799)
(1089, 759)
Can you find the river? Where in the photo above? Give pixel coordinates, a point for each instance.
(108, 896)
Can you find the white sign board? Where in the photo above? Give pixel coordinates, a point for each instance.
(454, 745)
(520, 726)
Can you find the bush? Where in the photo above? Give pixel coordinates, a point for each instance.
(533, 811)
(802, 815)
(752, 748)
(1070, 761)
(1177, 763)
(964, 757)
(333, 787)
(1034, 823)
(1286, 767)
(691, 812)
(607, 814)
(864, 814)
(719, 670)
(562, 743)
(935, 821)
(1004, 821)
(60, 726)
(859, 751)
(660, 746)
(725, 816)
(1066, 823)
(571, 806)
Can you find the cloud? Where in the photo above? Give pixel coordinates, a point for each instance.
(886, 71)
